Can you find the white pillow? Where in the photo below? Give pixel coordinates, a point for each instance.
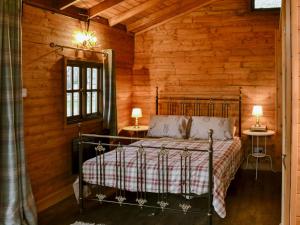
(168, 126)
(222, 127)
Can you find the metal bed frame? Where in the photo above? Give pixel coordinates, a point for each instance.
(201, 106)
(164, 105)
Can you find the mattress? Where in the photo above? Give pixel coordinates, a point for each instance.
(227, 158)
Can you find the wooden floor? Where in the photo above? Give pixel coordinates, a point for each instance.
(249, 202)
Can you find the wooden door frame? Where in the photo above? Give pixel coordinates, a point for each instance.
(285, 20)
(294, 91)
(290, 86)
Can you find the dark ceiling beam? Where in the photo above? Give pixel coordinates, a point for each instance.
(72, 11)
(41, 3)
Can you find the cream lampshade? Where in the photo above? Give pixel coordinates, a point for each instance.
(136, 113)
(257, 112)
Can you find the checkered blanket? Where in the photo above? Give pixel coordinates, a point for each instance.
(227, 157)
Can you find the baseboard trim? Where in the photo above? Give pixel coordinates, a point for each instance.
(54, 198)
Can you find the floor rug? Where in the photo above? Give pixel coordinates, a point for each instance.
(83, 223)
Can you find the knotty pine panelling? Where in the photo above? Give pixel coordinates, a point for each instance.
(295, 194)
(47, 139)
(221, 46)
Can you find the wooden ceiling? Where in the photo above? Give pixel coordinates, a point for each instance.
(137, 15)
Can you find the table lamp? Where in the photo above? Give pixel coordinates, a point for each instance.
(258, 112)
(136, 113)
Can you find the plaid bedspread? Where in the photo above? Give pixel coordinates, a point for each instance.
(227, 158)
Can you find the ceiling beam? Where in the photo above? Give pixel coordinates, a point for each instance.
(72, 12)
(52, 6)
(67, 3)
(160, 17)
(106, 4)
(132, 12)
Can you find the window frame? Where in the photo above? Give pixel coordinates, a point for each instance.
(83, 90)
(263, 9)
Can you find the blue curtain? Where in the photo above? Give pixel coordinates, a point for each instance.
(109, 93)
(17, 205)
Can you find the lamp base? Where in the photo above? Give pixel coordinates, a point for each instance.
(136, 125)
(261, 128)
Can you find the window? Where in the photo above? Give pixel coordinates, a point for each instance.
(266, 4)
(83, 90)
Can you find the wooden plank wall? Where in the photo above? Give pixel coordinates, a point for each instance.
(47, 140)
(295, 151)
(218, 47)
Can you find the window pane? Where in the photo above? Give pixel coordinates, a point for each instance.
(83, 83)
(69, 104)
(69, 77)
(88, 102)
(76, 104)
(95, 70)
(88, 79)
(75, 78)
(94, 102)
(267, 4)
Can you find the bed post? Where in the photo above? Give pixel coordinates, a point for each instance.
(156, 102)
(240, 113)
(210, 177)
(80, 169)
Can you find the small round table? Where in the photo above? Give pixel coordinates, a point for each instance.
(259, 154)
(136, 129)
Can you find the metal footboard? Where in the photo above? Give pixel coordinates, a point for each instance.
(141, 174)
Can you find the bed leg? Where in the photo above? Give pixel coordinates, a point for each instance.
(210, 178)
(80, 172)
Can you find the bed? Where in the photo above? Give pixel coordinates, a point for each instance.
(202, 161)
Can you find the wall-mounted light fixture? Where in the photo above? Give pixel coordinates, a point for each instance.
(85, 39)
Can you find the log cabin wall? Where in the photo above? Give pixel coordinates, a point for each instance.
(47, 139)
(221, 46)
(295, 148)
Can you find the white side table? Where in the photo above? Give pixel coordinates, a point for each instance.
(263, 153)
(136, 130)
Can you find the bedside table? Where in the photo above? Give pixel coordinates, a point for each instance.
(133, 130)
(258, 151)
